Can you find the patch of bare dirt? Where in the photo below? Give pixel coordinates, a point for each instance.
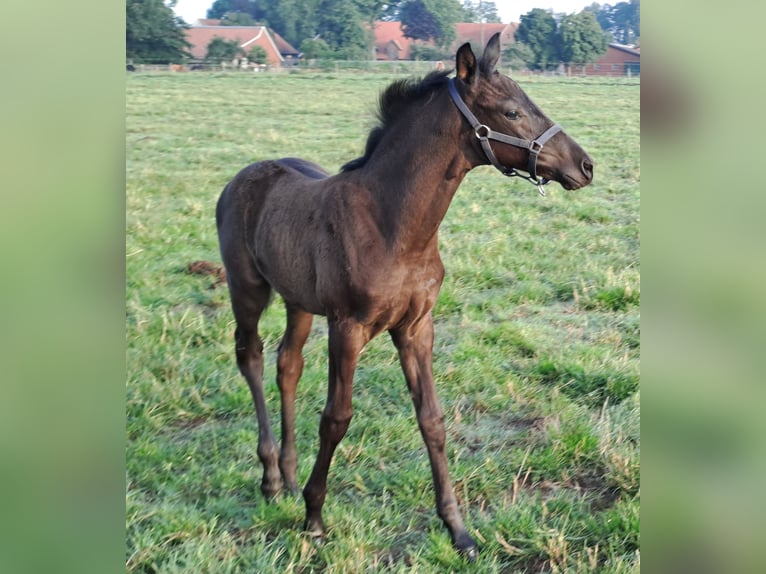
(208, 268)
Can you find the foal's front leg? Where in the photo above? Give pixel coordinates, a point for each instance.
(415, 346)
(346, 340)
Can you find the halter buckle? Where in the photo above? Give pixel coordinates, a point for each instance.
(486, 129)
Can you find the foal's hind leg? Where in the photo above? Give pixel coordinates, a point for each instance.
(289, 369)
(248, 304)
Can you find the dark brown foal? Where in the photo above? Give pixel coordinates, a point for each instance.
(361, 249)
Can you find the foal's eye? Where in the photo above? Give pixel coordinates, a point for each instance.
(512, 115)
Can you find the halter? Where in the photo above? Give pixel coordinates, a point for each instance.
(484, 133)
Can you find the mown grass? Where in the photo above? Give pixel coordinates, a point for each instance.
(536, 354)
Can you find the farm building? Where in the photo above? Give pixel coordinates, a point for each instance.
(479, 34)
(390, 42)
(619, 60)
(278, 50)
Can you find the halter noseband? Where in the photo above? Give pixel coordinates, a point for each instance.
(484, 133)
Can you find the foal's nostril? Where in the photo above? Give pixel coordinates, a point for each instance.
(587, 167)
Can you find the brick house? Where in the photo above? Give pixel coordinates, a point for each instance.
(278, 51)
(390, 43)
(479, 34)
(619, 60)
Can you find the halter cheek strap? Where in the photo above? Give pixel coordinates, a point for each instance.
(485, 133)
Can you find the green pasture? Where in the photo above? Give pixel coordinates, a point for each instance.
(536, 356)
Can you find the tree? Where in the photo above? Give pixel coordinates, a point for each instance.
(339, 23)
(518, 56)
(537, 29)
(220, 8)
(478, 11)
(424, 52)
(237, 19)
(603, 14)
(153, 33)
(430, 20)
(373, 10)
(258, 55)
(627, 22)
(221, 50)
(418, 22)
(622, 21)
(391, 11)
(316, 49)
(294, 20)
(581, 39)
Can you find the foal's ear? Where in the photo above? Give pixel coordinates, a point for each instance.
(465, 63)
(491, 54)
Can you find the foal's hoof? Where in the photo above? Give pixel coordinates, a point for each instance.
(471, 554)
(318, 541)
(467, 547)
(292, 489)
(316, 530)
(270, 491)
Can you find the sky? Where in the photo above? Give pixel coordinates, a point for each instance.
(509, 10)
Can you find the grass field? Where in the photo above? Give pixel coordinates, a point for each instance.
(536, 356)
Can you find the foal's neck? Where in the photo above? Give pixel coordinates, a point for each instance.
(415, 172)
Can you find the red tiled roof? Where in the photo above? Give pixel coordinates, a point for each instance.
(247, 37)
(627, 49)
(479, 34)
(390, 43)
(285, 48)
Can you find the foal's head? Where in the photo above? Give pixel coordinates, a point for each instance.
(501, 107)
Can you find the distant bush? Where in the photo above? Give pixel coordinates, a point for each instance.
(257, 55)
(315, 49)
(427, 53)
(222, 50)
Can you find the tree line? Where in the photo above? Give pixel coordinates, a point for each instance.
(342, 29)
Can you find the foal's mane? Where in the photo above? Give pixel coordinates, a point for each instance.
(396, 96)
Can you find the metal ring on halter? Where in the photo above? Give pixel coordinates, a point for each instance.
(486, 129)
